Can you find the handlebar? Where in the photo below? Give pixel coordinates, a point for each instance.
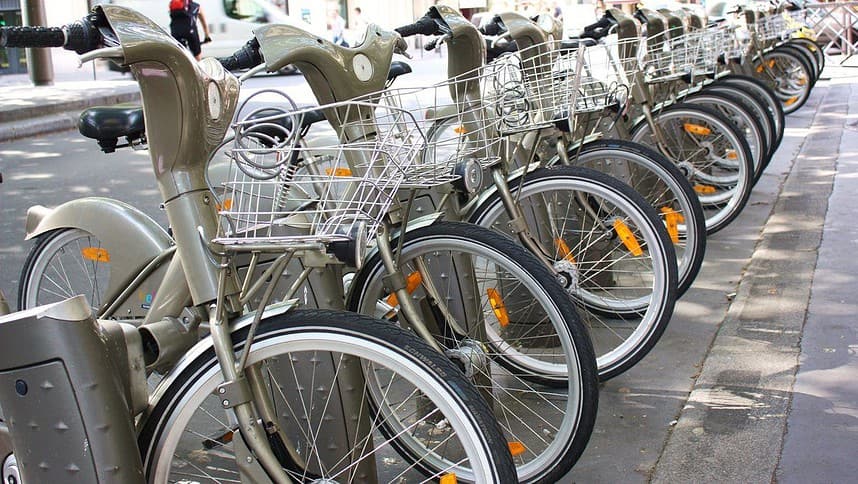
(426, 26)
(497, 49)
(246, 57)
(494, 27)
(81, 36)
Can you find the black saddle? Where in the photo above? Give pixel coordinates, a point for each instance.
(106, 124)
(397, 68)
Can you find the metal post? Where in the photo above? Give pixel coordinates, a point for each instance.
(38, 60)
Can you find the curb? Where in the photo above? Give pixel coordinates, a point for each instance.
(32, 121)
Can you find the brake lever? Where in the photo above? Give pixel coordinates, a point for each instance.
(105, 53)
(401, 48)
(504, 36)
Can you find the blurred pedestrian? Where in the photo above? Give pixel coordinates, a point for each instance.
(183, 25)
(337, 26)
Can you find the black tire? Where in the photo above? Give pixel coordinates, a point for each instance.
(318, 326)
(813, 48)
(765, 94)
(732, 182)
(575, 425)
(671, 191)
(615, 353)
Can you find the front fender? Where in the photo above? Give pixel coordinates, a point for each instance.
(130, 237)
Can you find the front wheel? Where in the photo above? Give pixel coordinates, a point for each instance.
(712, 154)
(611, 249)
(664, 187)
(512, 328)
(319, 371)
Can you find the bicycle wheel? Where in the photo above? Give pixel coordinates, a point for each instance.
(742, 120)
(814, 49)
(513, 330)
(313, 366)
(788, 75)
(755, 107)
(711, 152)
(808, 58)
(64, 263)
(664, 187)
(765, 95)
(612, 250)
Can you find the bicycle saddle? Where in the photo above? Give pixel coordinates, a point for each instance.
(397, 68)
(106, 124)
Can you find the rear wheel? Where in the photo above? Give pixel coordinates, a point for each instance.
(64, 263)
(316, 370)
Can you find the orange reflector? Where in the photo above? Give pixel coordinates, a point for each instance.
(227, 204)
(516, 448)
(460, 130)
(771, 63)
(704, 189)
(498, 306)
(96, 254)
(627, 237)
(672, 219)
(563, 250)
(411, 282)
(692, 128)
(338, 172)
(791, 100)
(448, 479)
(732, 155)
(760, 68)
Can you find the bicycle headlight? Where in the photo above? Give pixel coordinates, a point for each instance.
(470, 175)
(352, 251)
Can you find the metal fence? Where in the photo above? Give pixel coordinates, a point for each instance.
(836, 26)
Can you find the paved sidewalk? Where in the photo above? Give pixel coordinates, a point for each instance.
(26, 110)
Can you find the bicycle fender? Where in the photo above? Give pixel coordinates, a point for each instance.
(130, 238)
(443, 112)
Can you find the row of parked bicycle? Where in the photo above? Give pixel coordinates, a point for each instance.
(511, 235)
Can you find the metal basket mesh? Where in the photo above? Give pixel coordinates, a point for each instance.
(668, 58)
(282, 182)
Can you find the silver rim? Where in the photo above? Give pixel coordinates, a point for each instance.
(664, 194)
(200, 408)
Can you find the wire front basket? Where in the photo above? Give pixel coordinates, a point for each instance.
(771, 27)
(534, 87)
(668, 58)
(714, 41)
(282, 182)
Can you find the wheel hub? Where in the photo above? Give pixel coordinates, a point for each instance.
(686, 168)
(10, 470)
(567, 275)
(470, 356)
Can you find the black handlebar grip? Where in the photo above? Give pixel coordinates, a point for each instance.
(600, 24)
(245, 58)
(32, 37)
(431, 45)
(82, 36)
(426, 26)
(493, 27)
